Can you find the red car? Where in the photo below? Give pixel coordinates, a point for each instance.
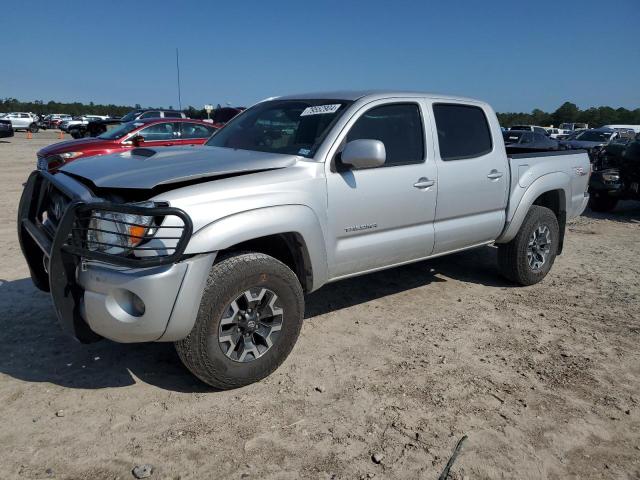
(153, 132)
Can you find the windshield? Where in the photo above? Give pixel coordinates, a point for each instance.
(593, 136)
(121, 131)
(293, 127)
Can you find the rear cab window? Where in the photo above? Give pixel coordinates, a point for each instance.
(463, 131)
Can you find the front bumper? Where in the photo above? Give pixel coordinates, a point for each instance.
(96, 294)
(136, 305)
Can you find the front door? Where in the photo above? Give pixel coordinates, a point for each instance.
(383, 216)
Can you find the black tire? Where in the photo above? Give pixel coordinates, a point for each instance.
(512, 257)
(201, 352)
(33, 128)
(602, 203)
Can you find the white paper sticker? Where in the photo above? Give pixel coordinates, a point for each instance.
(320, 109)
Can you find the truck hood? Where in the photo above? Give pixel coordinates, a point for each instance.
(147, 168)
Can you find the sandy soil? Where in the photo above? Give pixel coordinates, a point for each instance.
(544, 380)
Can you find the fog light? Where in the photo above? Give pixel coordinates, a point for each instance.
(128, 301)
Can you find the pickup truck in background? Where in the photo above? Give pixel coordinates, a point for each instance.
(214, 247)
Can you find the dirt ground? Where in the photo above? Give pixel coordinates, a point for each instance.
(544, 380)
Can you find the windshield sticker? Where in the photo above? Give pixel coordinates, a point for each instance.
(304, 151)
(320, 109)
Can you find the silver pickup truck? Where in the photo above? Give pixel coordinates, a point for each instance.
(214, 247)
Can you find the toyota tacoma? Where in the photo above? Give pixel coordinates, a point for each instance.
(214, 247)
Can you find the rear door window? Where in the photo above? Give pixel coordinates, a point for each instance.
(195, 130)
(463, 131)
(398, 127)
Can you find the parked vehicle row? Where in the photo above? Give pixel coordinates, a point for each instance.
(214, 247)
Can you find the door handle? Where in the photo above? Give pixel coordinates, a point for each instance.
(494, 174)
(424, 182)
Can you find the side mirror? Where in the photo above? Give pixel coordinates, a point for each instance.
(364, 153)
(137, 140)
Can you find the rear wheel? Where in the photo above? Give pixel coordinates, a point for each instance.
(602, 203)
(33, 128)
(529, 256)
(249, 320)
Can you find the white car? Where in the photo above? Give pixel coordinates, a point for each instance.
(23, 121)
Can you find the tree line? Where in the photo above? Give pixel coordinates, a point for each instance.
(570, 113)
(41, 108)
(567, 113)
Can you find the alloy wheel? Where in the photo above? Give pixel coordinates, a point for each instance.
(539, 247)
(250, 325)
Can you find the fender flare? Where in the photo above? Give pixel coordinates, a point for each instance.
(248, 225)
(543, 184)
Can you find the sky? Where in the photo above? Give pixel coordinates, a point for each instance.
(515, 55)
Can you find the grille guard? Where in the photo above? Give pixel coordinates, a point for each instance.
(53, 261)
(77, 245)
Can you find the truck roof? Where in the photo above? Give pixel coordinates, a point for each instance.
(354, 95)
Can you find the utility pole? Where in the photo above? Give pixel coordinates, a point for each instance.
(178, 69)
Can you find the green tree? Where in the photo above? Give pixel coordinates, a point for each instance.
(567, 112)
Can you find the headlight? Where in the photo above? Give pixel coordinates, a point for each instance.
(117, 233)
(69, 155)
(610, 177)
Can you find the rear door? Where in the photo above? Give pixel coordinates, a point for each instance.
(473, 176)
(382, 216)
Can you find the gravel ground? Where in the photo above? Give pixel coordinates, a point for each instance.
(544, 380)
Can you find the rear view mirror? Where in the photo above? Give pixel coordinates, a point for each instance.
(364, 153)
(137, 140)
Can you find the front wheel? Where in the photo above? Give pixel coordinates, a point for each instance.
(249, 320)
(529, 256)
(33, 128)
